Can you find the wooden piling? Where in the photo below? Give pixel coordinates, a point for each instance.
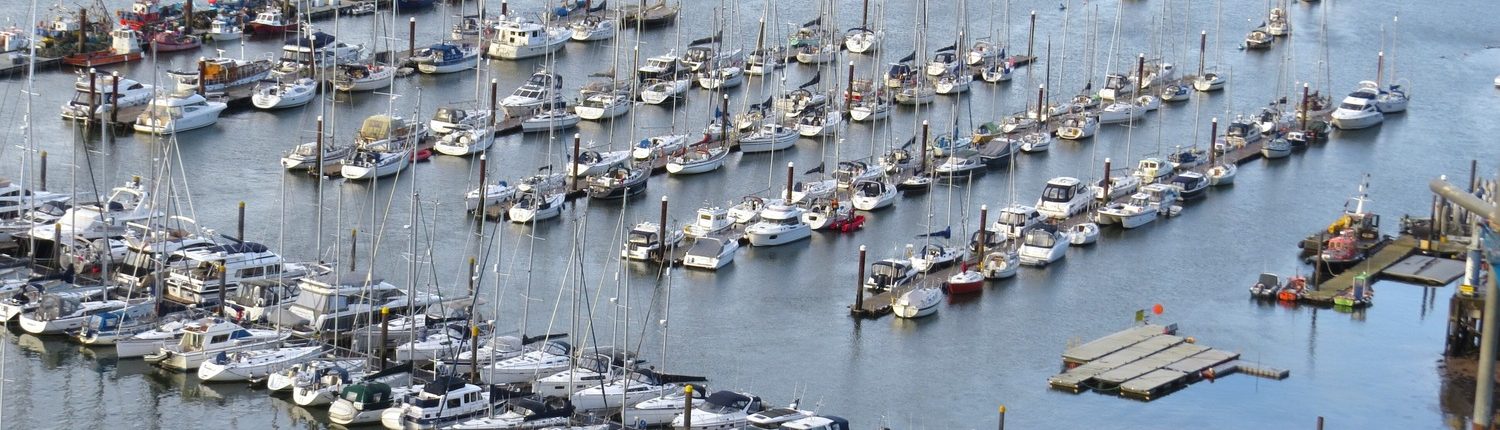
(1320, 422)
(1002, 417)
(44, 172)
(1140, 72)
(1213, 153)
(93, 95)
(859, 285)
(923, 143)
(1202, 50)
(574, 170)
(83, 29)
(474, 352)
(202, 77)
(241, 223)
(1031, 36)
(223, 286)
(318, 169)
(385, 328)
(687, 406)
(661, 234)
(724, 122)
(849, 92)
(473, 270)
(1306, 108)
(57, 243)
(484, 189)
(789, 167)
(411, 37)
(114, 109)
(1041, 108)
(984, 234)
(1106, 181)
(494, 113)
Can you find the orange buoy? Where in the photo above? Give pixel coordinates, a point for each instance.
(1156, 309)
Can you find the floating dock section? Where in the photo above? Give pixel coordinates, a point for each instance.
(1145, 361)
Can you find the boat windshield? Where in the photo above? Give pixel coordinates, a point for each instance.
(320, 304)
(1351, 106)
(137, 261)
(642, 238)
(887, 268)
(1056, 193)
(1040, 238)
(1012, 218)
(205, 271)
(164, 111)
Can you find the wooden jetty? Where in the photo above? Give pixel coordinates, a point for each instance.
(1145, 361)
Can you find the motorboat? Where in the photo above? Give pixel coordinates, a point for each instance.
(126, 204)
(710, 221)
(226, 28)
(1294, 290)
(445, 401)
(748, 209)
(1259, 38)
(890, 273)
(1064, 197)
(282, 95)
(770, 137)
(659, 147)
(211, 272)
(1015, 219)
(934, 256)
(641, 385)
(819, 422)
(178, 112)
(552, 357)
(1084, 233)
(222, 75)
(1359, 109)
(869, 195)
(320, 386)
(1190, 185)
(1241, 131)
(1142, 208)
(465, 140)
(1266, 286)
(659, 67)
(721, 410)
(209, 337)
(1078, 126)
(16, 200)
(518, 39)
(601, 103)
(646, 241)
(804, 191)
(659, 90)
(543, 90)
(960, 164)
(253, 364)
(1187, 158)
(253, 300)
(618, 183)
(1361, 294)
(697, 160)
(917, 302)
(358, 77)
(592, 28)
(1277, 147)
(335, 303)
(364, 402)
(446, 57)
(943, 62)
(662, 409)
(590, 162)
(1043, 245)
(286, 380)
(779, 224)
(550, 120)
(104, 94)
(272, 22)
(1151, 170)
(1276, 23)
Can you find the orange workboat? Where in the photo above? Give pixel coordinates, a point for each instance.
(124, 47)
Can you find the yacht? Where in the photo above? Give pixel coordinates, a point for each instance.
(1190, 185)
(533, 206)
(701, 159)
(446, 57)
(285, 94)
(226, 28)
(656, 91)
(711, 253)
(166, 331)
(216, 271)
(659, 147)
(1151, 170)
(520, 39)
(592, 163)
(602, 101)
(249, 365)
(779, 224)
(1000, 264)
(552, 357)
(445, 401)
(209, 337)
(860, 40)
(221, 75)
(550, 120)
(384, 145)
(770, 137)
(1064, 197)
(465, 140)
(1359, 109)
(641, 386)
(721, 410)
(447, 118)
(364, 402)
(1142, 208)
(340, 302)
(1042, 246)
(917, 302)
(542, 90)
(15, 200)
(1078, 126)
(820, 121)
(890, 273)
(593, 27)
(61, 313)
(869, 195)
(178, 112)
(1015, 219)
(618, 183)
(359, 77)
(645, 242)
(105, 93)
(659, 67)
(316, 50)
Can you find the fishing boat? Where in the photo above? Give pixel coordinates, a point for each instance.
(533, 206)
(446, 57)
(618, 183)
(104, 94)
(272, 22)
(253, 364)
(779, 224)
(207, 338)
(172, 41)
(1085, 233)
(125, 46)
(519, 39)
(1064, 197)
(145, 13)
(1043, 245)
(721, 410)
(221, 75)
(362, 77)
(1294, 290)
(285, 94)
(336, 302)
(226, 28)
(178, 112)
(917, 302)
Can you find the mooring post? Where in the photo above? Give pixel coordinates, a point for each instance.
(687, 407)
(93, 95)
(574, 172)
(474, 352)
(494, 113)
(318, 169)
(83, 29)
(44, 172)
(385, 328)
(223, 286)
(241, 223)
(411, 37)
(984, 234)
(353, 247)
(849, 92)
(1140, 72)
(859, 285)
(1002, 417)
(923, 143)
(1213, 153)
(1306, 108)
(1105, 183)
(473, 270)
(114, 108)
(1031, 38)
(1202, 50)
(661, 234)
(724, 122)
(57, 242)
(1320, 422)
(202, 77)
(484, 190)
(789, 168)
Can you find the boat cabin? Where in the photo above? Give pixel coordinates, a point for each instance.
(1015, 219)
(1153, 170)
(209, 334)
(368, 396)
(890, 273)
(817, 423)
(223, 266)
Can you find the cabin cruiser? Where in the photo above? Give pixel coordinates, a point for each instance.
(1064, 197)
(16, 200)
(222, 74)
(105, 93)
(1359, 109)
(890, 273)
(1190, 185)
(178, 112)
(659, 146)
(711, 253)
(1043, 245)
(869, 195)
(518, 39)
(316, 50)
(1153, 170)
(721, 410)
(1015, 219)
(1142, 208)
(618, 183)
(445, 401)
(779, 224)
(218, 270)
(339, 302)
(209, 337)
(446, 57)
(364, 402)
(659, 67)
(542, 90)
(84, 223)
(645, 241)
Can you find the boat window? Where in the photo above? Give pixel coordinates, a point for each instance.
(252, 272)
(191, 341)
(1012, 218)
(1057, 193)
(453, 403)
(1351, 106)
(219, 339)
(1040, 238)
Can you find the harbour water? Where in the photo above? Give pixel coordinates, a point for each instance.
(775, 322)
